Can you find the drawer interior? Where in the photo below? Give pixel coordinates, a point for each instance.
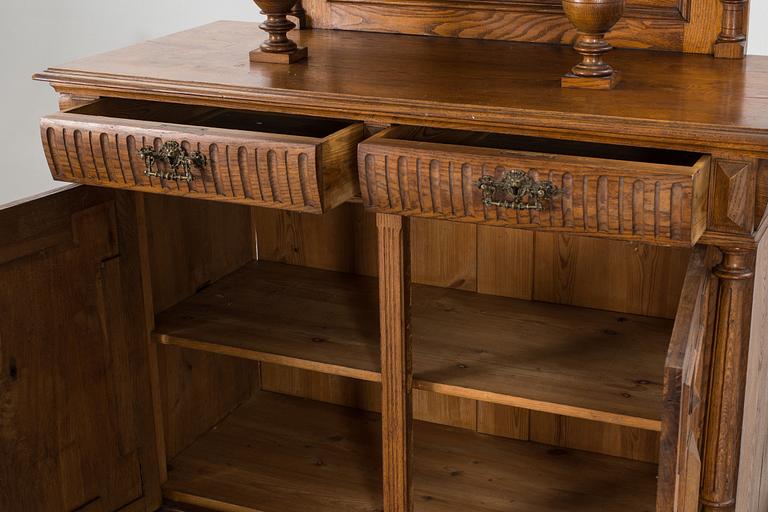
(542, 145)
(564, 371)
(214, 117)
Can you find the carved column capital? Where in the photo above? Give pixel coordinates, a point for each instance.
(734, 265)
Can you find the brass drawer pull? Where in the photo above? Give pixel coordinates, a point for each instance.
(176, 157)
(516, 190)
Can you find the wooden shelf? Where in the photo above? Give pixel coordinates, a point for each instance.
(285, 454)
(560, 359)
(566, 360)
(290, 315)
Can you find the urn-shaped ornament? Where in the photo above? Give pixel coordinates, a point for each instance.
(278, 47)
(593, 19)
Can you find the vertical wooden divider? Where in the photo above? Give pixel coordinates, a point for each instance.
(135, 201)
(396, 361)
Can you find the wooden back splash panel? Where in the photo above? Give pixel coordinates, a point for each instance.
(690, 26)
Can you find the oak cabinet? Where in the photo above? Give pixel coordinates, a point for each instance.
(540, 299)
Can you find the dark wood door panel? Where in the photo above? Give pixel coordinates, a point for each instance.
(74, 430)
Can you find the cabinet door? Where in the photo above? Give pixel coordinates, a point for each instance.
(684, 382)
(76, 428)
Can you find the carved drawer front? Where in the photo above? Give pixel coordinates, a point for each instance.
(279, 161)
(600, 190)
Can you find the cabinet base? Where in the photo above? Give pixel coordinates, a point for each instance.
(279, 58)
(729, 50)
(571, 81)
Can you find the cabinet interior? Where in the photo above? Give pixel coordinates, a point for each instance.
(213, 117)
(538, 381)
(526, 143)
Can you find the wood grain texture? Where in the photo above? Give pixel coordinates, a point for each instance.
(455, 268)
(505, 262)
(335, 451)
(444, 76)
(732, 196)
(198, 390)
(702, 29)
(761, 191)
(458, 471)
(732, 41)
(396, 362)
(594, 436)
(540, 356)
(476, 22)
(496, 349)
(634, 278)
(191, 244)
(76, 428)
(401, 172)
(281, 454)
(726, 396)
(327, 242)
(365, 395)
(280, 170)
(299, 317)
(132, 218)
(683, 417)
(751, 490)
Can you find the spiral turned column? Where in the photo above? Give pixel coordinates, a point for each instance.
(593, 19)
(278, 48)
(732, 41)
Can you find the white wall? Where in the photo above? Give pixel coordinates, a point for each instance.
(758, 20)
(35, 34)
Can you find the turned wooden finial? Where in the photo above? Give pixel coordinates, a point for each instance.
(731, 42)
(298, 12)
(278, 48)
(593, 19)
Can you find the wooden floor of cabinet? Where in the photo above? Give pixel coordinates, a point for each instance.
(283, 454)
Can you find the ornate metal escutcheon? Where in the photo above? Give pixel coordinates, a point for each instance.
(176, 157)
(516, 190)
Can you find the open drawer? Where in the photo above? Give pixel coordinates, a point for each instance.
(602, 190)
(281, 161)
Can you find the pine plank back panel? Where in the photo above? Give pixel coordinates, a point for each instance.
(191, 244)
(490, 260)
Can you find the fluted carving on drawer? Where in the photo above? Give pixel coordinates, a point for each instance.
(655, 205)
(271, 173)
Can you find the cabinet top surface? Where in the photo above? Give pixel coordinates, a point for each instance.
(683, 99)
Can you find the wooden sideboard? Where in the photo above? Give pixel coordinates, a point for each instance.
(304, 287)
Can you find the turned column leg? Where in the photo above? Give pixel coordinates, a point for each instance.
(726, 393)
(731, 43)
(396, 365)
